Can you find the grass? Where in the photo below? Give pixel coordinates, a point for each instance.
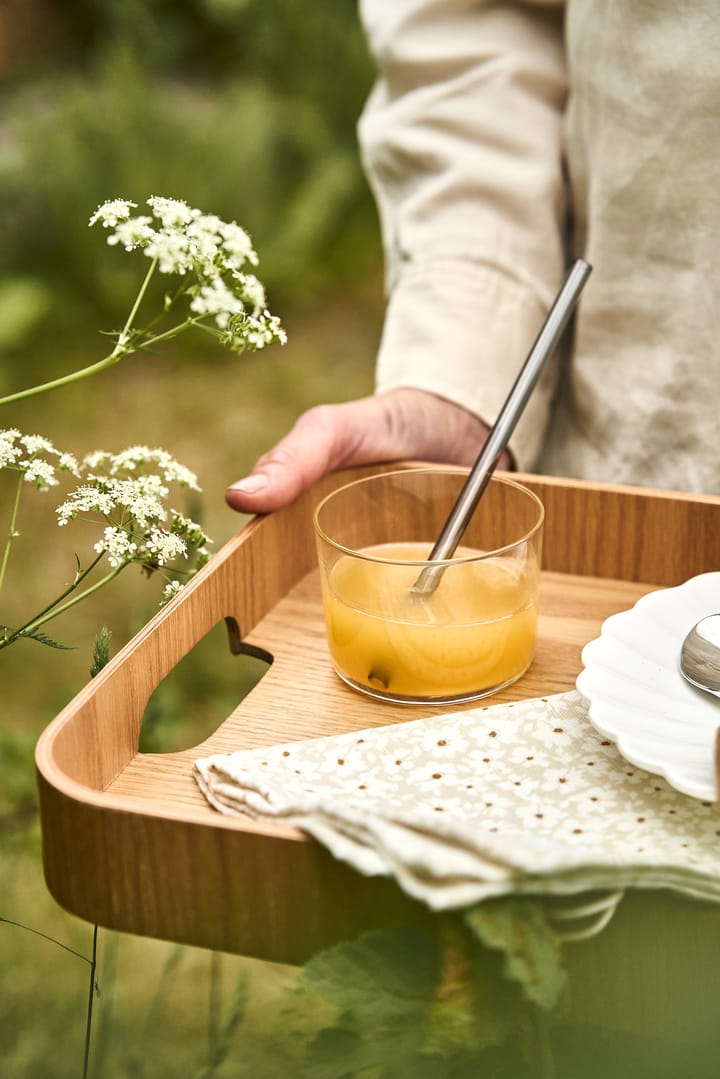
(161, 1010)
(190, 1012)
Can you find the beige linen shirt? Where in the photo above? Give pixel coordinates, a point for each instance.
(501, 141)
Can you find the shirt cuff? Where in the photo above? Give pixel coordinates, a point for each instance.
(462, 330)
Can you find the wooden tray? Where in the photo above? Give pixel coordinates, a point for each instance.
(129, 842)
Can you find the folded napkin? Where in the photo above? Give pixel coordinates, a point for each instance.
(525, 797)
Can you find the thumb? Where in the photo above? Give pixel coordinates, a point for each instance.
(323, 438)
(404, 422)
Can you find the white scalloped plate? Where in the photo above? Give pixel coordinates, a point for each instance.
(637, 695)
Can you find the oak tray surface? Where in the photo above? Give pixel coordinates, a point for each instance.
(128, 840)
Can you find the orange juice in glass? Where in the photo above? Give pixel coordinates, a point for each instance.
(475, 633)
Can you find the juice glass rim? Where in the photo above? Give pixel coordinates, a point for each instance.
(458, 471)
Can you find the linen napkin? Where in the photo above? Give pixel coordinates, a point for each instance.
(525, 798)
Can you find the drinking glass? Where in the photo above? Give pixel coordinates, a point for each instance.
(475, 632)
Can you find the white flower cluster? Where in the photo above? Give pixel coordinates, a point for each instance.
(186, 241)
(253, 331)
(170, 590)
(117, 545)
(139, 498)
(193, 535)
(35, 457)
(112, 212)
(131, 502)
(164, 546)
(136, 458)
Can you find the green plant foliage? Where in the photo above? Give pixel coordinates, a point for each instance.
(101, 651)
(532, 952)
(446, 1002)
(379, 975)
(223, 1037)
(35, 635)
(17, 777)
(245, 108)
(383, 985)
(313, 51)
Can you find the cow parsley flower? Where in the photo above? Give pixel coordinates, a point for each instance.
(118, 546)
(37, 444)
(40, 473)
(9, 450)
(211, 256)
(35, 457)
(251, 289)
(137, 232)
(171, 212)
(253, 331)
(172, 252)
(170, 590)
(125, 493)
(136, 458)
(191, 531)
(215, 298)
(161, 546)
(237, 247)
(112, 212)
(130, 503)
(87, 498)
(141, 498)
(204, 234)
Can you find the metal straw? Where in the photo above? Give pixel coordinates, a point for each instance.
(501, 431)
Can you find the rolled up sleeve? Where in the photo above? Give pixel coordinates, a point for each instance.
(462, 143)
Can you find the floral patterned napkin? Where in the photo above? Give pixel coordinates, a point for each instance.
(523, 797)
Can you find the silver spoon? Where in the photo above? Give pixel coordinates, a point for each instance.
(700, 655)
(501, 431)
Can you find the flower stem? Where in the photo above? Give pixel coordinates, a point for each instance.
(65, 380)
(70, 588)
(77, 599)
(121, 349)
(172, 332)
(122, 336)
(45, 936)
(11, 530)
(53, 610)
(92, 990)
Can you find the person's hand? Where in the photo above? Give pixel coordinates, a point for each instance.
(400, 424)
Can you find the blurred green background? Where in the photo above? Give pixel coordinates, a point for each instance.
(248, 110)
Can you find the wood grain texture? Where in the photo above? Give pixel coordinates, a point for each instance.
(129, 842)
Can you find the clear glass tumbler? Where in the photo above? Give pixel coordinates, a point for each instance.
(475, 633)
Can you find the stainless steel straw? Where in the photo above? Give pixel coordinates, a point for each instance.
(501, 431)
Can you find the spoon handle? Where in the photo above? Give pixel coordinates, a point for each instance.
(501, 431)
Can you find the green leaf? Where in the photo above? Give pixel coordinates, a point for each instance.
(517, 927)
(475, 1006)
(35, 635)
(379, 975)
(328, 1049)
(101, 651)
(383, 984)
(458, 1000)
(350, 1050)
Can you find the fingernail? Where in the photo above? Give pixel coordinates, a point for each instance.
(251, 484)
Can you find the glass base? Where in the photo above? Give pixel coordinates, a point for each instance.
(435, 702)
